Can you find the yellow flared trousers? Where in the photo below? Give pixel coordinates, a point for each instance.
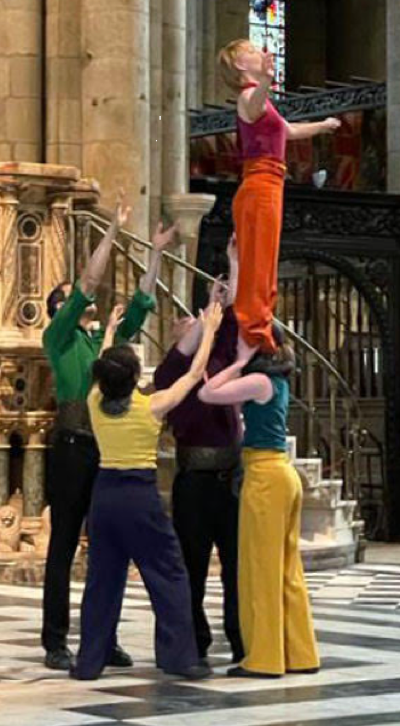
(274, 609)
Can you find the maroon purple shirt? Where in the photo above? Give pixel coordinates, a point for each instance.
(193, 422)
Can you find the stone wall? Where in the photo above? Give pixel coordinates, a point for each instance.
(20, 80)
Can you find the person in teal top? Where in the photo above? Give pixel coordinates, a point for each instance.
(72, 342)
(275, 618)
(266, 425)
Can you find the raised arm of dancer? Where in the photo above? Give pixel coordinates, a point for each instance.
(251, 102)
(143, 300)
(298, 131)
(233, 270)
(190, 341)
(161, 239)
(96, 267)
(229, 387)
(114, 321)
(164, 401)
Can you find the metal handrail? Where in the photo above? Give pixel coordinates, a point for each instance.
(97, 219)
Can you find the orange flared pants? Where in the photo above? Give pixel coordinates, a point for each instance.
(257, 216)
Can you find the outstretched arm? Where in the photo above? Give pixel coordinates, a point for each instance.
(164, 401)
(161, 239)
(115, 319)
(96, 267)
(229, 387)
(143, 300)
(298, 131)
(233, 270)
(251, 103)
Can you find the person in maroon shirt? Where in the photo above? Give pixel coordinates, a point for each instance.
(205, 493)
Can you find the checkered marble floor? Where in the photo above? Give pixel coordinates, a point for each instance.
(357, 616)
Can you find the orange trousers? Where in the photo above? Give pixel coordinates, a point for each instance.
(257, 216)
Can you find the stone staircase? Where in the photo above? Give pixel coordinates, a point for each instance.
(330, 534)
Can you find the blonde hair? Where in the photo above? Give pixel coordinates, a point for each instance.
(227, 58)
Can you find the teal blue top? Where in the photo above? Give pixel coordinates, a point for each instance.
(266, 422)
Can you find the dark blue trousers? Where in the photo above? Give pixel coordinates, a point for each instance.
(127, 522)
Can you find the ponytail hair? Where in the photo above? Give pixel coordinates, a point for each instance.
(117, 372)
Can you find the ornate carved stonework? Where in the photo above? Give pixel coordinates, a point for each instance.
(36, 254)
(8, 257)
(10, 529)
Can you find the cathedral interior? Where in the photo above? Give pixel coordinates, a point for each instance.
(98, 95)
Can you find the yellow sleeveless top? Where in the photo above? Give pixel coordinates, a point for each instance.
(128, 441)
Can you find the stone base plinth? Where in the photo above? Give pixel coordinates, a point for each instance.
(22, 568)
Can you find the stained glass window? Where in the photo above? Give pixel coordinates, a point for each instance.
(268, 31)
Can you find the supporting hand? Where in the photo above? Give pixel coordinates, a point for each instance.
(212, 320)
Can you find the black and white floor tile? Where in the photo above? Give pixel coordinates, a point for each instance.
(357, 616)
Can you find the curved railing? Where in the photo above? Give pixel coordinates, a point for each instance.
(127, 269)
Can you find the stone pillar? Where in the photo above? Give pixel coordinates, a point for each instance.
(194, 81)
(232, 21)
(393, 86)
(209, 50)
(4, 467)
(64, 82)
(156, 108)
(8, 254)
(189, 209)
(33, 476)
(115, 101)
(20, 81)
(175, 132)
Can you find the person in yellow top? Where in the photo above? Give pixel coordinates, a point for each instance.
(127, 520)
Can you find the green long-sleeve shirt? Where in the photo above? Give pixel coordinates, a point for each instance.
(72, 351)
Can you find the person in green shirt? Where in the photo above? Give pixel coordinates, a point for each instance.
(72, 342)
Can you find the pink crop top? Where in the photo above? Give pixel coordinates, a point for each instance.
(265, 137)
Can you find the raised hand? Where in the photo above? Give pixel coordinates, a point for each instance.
(122, 209)
(330, 125)
(218, 292)
(213, 319)
(164, 237)
(116, 317)
(268, 66)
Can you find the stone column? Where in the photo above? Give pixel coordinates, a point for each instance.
(194, 81)
(64, 82)
(4, 467)
(209, 50)
(232, 21)
(175, 124)
(156, 108)
(115, 101)
(393, 86)
(189, 209)
(20, 81)
(8, 255)
(175, 132)
(33, 476)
